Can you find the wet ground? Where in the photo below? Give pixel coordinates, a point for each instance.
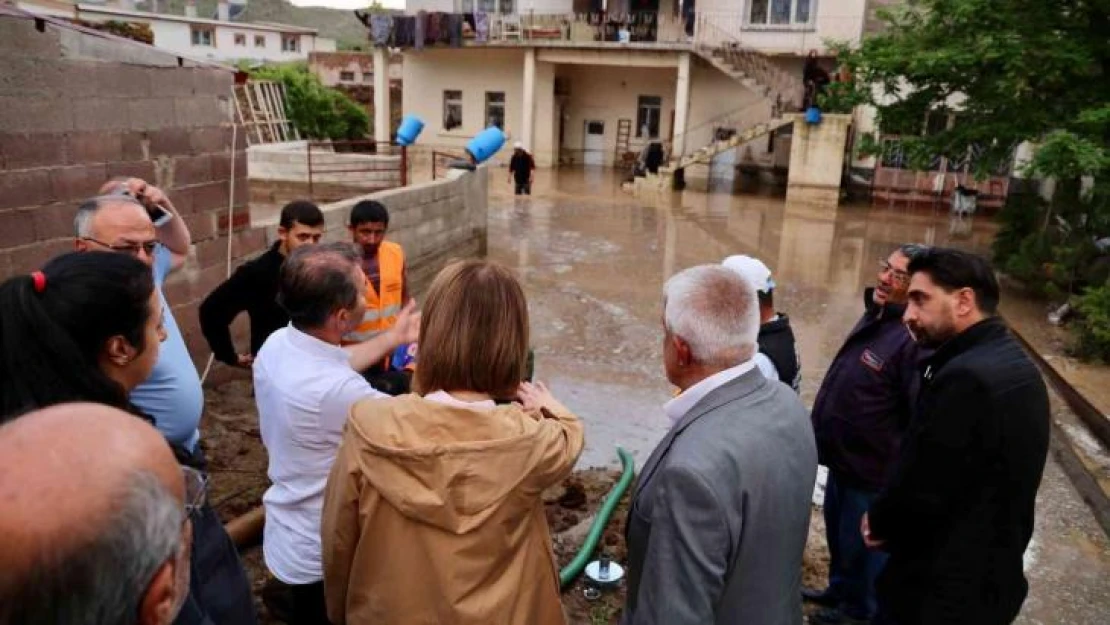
(594, 259)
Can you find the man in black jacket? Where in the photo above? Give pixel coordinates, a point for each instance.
(253, 287)
(860, 412)
(957, 514)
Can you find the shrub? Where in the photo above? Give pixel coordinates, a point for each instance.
(1092, 329)
(317, 111)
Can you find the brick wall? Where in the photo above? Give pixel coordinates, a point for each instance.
(77, 109)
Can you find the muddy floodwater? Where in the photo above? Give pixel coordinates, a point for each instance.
(594, 259)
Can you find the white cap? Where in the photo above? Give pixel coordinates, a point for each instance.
(518, 146)
(753, 270)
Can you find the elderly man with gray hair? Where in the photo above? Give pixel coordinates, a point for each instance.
(720, 513)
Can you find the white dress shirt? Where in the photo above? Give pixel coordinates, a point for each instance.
(304, 388)
(679, 406)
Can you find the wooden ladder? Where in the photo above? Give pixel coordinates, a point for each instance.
(624, 135)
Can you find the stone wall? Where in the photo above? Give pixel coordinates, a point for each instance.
(78, 108)
(435, 222)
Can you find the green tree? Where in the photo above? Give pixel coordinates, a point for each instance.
(1012, 71)
(319, 112)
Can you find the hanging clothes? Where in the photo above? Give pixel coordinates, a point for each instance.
(381, 27)
(444, 29)
(481, 27)
(421, 28)
(431, 35)
(454, 29)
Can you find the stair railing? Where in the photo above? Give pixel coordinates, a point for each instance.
(703, 134)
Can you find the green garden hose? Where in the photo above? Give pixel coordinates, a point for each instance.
(571, 571)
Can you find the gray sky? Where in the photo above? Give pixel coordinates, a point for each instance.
(347, 4)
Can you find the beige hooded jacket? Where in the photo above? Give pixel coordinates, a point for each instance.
(433, 514)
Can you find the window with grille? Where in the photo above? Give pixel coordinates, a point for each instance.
(203, 37)
(648, 111)
(780, 12)
(452, 109)
(495, 109)
(290, 43)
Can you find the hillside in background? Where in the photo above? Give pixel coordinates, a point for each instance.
(341, 25)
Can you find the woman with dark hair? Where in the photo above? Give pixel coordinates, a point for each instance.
(87, 327)
(433, 511)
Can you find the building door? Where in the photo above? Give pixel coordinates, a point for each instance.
(593, 145)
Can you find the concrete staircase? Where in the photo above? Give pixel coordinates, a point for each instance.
(705, 154)
(755, 71)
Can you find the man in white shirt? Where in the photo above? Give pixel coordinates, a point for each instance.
(720, 514)
(305, 384)
(777, 357)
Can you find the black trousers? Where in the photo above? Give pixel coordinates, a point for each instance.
(300, 604)
(219, 591)
(523, 188)
(389, 382)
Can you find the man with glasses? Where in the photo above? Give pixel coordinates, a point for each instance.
(121, 220)
(861, 410)
(133, 217)
(112, 547)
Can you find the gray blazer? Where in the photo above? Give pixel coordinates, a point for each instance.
(720, 513)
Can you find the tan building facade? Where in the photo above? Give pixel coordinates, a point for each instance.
(595, 81)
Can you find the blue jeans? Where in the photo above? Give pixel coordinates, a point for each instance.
(853, 568)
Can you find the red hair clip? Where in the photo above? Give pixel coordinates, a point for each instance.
(39, 280)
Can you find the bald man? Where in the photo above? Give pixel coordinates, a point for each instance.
(91, 534)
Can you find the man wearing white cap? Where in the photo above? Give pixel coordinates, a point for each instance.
(521, 168)
(778, 353)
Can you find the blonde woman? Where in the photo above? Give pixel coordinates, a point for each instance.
(433, 510)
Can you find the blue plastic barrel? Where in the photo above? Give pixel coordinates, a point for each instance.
(485, 144)
(813, 115)
(409, 130)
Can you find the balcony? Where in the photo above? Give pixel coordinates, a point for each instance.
(645, 29)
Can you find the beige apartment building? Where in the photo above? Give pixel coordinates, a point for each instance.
(594, 81)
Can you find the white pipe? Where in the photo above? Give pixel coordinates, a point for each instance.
(230, 223)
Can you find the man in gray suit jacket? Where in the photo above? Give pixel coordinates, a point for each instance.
(720, 513)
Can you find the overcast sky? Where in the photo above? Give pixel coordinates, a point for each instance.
(347, 4)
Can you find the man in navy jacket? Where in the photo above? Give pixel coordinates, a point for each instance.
(863, 406)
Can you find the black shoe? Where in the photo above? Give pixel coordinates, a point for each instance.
(820, 597)
(832, 616)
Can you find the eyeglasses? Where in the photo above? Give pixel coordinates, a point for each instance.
(900, 277)
(196, 489)
(129, 248)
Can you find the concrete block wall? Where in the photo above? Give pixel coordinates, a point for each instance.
(289, 162)
(77, 109)
(435, 222)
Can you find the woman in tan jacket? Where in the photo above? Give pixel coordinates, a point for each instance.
(433, 511)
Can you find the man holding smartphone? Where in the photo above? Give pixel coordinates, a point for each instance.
(136, 218)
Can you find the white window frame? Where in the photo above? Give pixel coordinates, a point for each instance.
(493, 7)
(260, 41)
(490, 106)
(240, 39)
(346, 76)
(296, 41)
(448, 102)
(197, 40)
(646, 109)
(767, 24)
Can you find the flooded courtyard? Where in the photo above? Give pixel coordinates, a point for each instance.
(594, 258)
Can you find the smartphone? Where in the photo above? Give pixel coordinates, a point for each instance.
(159, 215)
